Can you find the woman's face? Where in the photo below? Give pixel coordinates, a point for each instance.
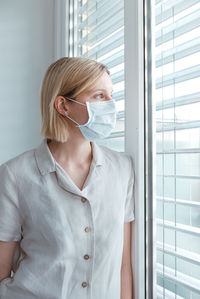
(100, 91)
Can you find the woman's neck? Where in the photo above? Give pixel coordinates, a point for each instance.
(74, 151)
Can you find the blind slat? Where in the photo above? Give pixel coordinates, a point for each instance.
(116, 135)
(172, 8)
(118, 77)
(178, 176)
(116, 59)
(179, 52)
(118, 96)
(164, 126)
(88, 6)
(178, 101)
(168, 294)
(180, 151)
(177, 77)
(115, 41)
(179, 253)
(179, 227)
(99, 16)
(101, 31)
(183, 202)
(180, 278)
(178, 28)
(120, 115)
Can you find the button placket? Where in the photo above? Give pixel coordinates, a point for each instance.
(90, 244)
(87, 229)
(83, 199)
(86, 257)
(84, 284)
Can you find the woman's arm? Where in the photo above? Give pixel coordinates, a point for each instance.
(126, 268)
(7, 250)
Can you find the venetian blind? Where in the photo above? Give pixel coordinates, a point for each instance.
(97, 32)
(177, 97)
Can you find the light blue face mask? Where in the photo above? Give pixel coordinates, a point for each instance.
(102, 119)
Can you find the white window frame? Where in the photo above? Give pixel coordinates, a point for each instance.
(150, 156)
(134, 131)
(134, 126)
(61, 29)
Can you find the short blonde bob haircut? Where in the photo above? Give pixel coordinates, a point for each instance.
(68, 76)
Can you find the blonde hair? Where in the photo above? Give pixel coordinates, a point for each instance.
(68, 76)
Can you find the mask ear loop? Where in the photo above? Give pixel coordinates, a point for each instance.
(78, 125)
(76, 101)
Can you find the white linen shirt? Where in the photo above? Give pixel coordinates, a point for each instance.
(71, 240)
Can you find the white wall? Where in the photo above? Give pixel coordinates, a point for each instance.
(26, 49)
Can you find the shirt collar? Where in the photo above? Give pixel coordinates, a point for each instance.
(98, 158)
(46, 162)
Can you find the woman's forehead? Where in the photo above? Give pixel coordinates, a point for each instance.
(104, 83)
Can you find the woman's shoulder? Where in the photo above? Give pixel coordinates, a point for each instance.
(119, 158)
(19, 162)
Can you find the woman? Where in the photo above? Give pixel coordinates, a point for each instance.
(66, 206)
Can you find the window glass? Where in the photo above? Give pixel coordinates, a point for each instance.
(98, 35)
(176, 84)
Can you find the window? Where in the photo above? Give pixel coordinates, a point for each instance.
(111, 31)
(100, 36)
(172, 44)
(175, 36)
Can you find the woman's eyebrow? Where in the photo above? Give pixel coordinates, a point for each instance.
(97, 89)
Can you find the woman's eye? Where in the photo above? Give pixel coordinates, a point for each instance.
(99, 96)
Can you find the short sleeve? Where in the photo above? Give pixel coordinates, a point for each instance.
(10, 220)
(129, 203)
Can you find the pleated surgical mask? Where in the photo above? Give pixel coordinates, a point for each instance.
(102, 119)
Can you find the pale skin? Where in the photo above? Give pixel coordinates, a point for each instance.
(75, 156)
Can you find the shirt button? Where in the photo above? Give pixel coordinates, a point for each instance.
(88, 229)
(84, 284)
(83, 199)
(86, 257)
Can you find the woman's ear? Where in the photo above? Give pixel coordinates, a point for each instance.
(61, 106)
